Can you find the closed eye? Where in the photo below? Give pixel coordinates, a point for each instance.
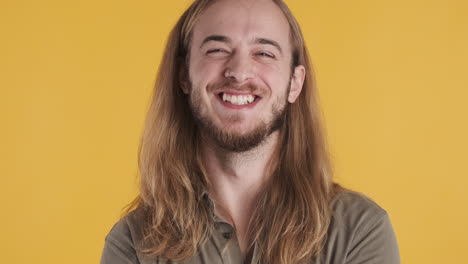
(265, 54)
(215, 51)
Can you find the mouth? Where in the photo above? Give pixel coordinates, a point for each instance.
(238, 99)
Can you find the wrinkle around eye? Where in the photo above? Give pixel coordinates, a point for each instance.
(266, 54)
(216, 51)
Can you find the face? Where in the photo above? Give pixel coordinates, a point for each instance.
(240, 76)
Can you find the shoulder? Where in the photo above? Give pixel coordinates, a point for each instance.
(122, 240)
(354, 215)
(129, 226)
(353, 209)
(360, 231)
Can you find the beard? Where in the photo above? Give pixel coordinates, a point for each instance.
(231, 141)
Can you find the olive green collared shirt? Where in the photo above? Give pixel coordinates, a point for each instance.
(360, 232)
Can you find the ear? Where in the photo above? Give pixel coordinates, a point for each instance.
(183, 78)
(297, 81)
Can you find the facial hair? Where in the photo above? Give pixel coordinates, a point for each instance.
(233, 142)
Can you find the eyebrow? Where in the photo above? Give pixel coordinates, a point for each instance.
(225, 39)
(269, 42)
(218, 38)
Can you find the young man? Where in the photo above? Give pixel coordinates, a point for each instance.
(233, 162)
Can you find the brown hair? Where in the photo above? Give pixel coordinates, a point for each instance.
(292, 213)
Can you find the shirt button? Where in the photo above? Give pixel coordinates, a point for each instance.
(227, 235)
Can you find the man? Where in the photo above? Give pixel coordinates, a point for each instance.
(233, 163)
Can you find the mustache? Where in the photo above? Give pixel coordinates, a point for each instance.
(248, 87)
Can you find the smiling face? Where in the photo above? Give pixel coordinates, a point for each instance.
(240, 75)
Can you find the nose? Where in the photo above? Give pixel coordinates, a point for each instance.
(239, 68)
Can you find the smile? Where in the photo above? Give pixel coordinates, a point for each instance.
(238, 101)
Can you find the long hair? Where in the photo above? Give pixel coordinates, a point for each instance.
(292, 213)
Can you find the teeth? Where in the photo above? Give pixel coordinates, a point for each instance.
(234, 99)
(238, 99)
(226, 97)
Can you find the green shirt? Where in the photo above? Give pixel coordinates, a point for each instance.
(360, 232)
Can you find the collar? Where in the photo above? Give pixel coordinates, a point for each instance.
(216, 218)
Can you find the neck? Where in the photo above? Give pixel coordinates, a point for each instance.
(237, 173)
(236, 179)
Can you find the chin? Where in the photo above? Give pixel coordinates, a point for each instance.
(238, 129)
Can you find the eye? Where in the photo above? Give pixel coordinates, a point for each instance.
(265, 54)
(215, 51)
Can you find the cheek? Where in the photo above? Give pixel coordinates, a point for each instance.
(202, 72)
(277, 80)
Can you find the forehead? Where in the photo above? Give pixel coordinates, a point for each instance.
(243, 20)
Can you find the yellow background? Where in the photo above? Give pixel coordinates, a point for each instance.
(76, 77)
